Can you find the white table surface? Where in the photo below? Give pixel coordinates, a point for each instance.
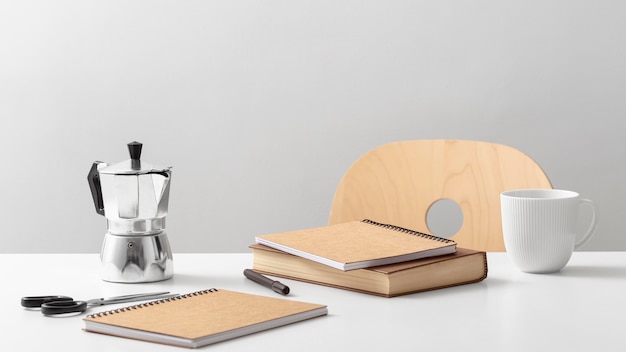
(582, 308)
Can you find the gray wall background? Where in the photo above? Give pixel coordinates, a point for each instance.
(261, 106)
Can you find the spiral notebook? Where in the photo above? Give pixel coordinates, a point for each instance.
(358, 244)
(201, 318)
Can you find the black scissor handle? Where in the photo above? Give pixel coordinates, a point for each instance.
(62, 307)
(38, 301)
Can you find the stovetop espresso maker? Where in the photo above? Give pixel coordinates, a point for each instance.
(133, 197)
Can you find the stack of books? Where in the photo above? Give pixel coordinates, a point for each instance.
(369, 257)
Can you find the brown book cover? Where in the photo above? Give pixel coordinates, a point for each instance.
(201, 318)
(465, 266)
(358, 244)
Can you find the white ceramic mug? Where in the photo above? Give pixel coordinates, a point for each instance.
(539, 227)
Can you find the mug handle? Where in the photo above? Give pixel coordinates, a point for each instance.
(592, 226)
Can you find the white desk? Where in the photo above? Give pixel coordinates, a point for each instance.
(580, 309)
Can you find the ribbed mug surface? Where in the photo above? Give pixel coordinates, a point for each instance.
(539, 227)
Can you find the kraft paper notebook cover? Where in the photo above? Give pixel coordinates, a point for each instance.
(201, 318)
(463, 267)
(358, 244)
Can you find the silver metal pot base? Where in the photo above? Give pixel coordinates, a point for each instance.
(136, 259)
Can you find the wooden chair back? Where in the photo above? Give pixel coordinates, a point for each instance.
(397, 183)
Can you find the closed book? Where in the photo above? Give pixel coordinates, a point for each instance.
(465, 266)
(201, 318)
(358, 244)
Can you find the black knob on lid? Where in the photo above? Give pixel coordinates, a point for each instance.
(134, 148)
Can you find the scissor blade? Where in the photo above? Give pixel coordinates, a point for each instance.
(130, 298)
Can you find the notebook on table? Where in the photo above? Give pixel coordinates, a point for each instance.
(358, 244)
(201, 318)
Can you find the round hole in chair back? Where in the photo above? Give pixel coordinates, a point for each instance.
(444, 218)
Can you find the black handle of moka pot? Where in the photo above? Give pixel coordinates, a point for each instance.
(134, 149)
(96, 189)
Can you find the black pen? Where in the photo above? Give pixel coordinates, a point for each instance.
(266, 281)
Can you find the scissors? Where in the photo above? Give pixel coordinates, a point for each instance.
(51, 305)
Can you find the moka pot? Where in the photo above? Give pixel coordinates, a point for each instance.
(133, 197)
